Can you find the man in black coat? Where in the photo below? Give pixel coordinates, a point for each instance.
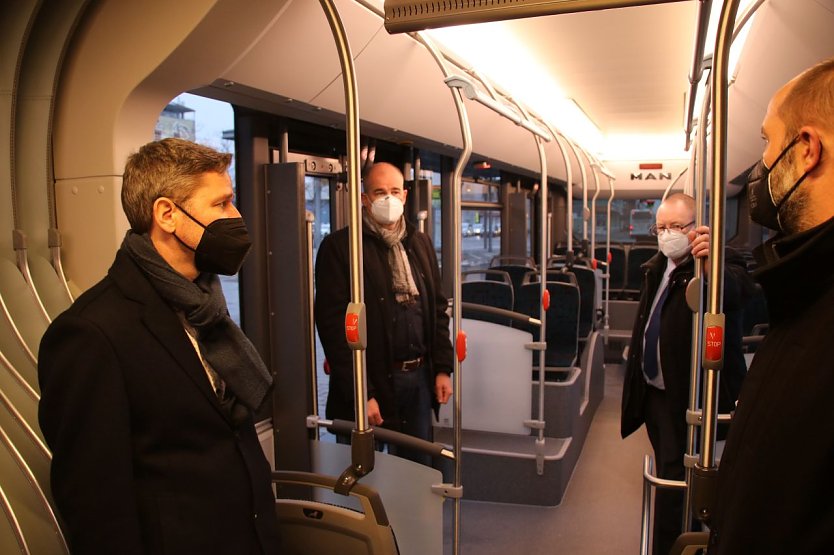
(148, 387)
(657, 379)
(775, 489)
(409, 354)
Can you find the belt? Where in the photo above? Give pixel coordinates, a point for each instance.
(408, 365)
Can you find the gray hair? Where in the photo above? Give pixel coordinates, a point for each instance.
(167, 168)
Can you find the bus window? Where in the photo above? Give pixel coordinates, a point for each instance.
(317, 200)
(640, 223)
(480, 237)
(212, 123)
(630, 220)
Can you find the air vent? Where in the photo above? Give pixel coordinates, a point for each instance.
(405, 16)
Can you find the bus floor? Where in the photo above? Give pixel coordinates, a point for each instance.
(600, 513)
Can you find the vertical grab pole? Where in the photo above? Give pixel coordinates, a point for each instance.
(309, 218)
(362, 445)
(713, 341)
(584, 199)
(608, 256)
(569, 172)
(594, 212)
(544, 299)
(544, 294)
(585, 210)
(699, 190)
(459, 335)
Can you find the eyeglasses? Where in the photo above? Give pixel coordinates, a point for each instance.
(657, 230)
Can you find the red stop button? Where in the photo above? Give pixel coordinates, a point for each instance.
(714, 347)
(352, 327)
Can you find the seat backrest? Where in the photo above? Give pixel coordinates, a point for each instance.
(559, 276)
(562, 327)
(516, 273)
(315, 528)
(616, 267)
(490, 293)
(587, 282)
(637, 256)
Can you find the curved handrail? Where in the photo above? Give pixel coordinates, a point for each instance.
(391, 436)
(459, 336)
(509, 314)
(362, 457)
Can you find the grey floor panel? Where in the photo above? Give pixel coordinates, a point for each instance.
(600, 513)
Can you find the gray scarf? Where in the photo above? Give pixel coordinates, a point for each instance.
(405, 289)
(222, 343)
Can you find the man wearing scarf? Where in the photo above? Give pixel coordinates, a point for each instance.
(409, 354)
(149, 388)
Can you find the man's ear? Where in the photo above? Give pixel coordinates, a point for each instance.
(405, 195)
(163, 214)
(810, 148)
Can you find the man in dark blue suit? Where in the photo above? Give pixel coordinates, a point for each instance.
(657, 381)
(149, 388)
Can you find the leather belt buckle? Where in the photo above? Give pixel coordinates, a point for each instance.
(409, 365)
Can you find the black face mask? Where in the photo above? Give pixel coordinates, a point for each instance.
(223, 247)
(763, 210)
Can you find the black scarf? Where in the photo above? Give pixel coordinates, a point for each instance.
(222, 343)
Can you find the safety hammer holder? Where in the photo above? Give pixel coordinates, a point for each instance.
(704, 489)
(362, 460)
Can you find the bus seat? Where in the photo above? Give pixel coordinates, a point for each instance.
(617, 267)
(690, 543)
(316, 528)
(637, 256)
(516, 273)
(586, 279)
(560, 276)
(562, 328)
(496, 290)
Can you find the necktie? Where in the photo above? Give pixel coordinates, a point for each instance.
(652, 336)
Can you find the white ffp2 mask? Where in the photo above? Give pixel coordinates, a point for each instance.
(674, 244)
(387, 210)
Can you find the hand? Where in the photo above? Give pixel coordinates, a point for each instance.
(443, 387)
(374, 416)
(699, 237)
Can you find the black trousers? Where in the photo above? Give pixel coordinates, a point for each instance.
(668, 438)
(414, 407)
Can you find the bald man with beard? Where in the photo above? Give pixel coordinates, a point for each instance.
(775, 487)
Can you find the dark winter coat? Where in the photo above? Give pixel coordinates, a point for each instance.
(676, 339)
(332, 297)
(145, 459)
(776, 492)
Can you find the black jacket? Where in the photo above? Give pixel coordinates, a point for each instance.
(776, 493)
(145, 459)
(676, 339)
(332, 297)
